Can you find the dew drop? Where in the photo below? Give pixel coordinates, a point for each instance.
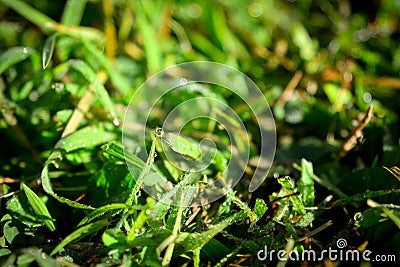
(276, 175)
(367, 98)
(116, 122)
(358, 217)
(255, 10)
(183, 81)
(159, 132)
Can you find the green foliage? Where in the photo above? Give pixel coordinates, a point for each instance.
(68, 197)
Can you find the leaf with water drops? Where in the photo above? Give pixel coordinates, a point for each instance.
(290, 190)
(89, 136)
(182, 145)
(115, 207)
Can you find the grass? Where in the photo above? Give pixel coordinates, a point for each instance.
(72, 196)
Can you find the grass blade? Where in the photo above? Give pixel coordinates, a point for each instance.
(389, 213)
(102, 94)
(15, 55)
(79, 234)
(79, 139)
(48, 49)
(39, 207)
(73, 12)
(46, 184)
(101, 211)
(72, 142)
(29, 13)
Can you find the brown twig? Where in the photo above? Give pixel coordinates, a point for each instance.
(82, 108)
(351, 140)
(290, 88)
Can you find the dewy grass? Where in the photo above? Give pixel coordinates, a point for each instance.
(74, 192)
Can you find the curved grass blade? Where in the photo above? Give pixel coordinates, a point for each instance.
(79, 234)
(116, 207)
(102, 94)
(15, 55)
(117, 151)
(48, 50)
(39, 207)
(83, 138)
(49, 190)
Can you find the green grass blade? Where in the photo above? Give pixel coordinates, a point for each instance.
(152, 47)
(29, 13)
(389, 213)
(72, 142)
(193, 241)
(102, 94)
(364, 197)
(15, 55)
(46, 184)
(48, 49)
(182, 145)
(116, 207)
(116, 150)
(73, 12)
(39, 207)
(79, 234)
(116, 78)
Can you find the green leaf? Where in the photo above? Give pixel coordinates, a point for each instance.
(10, 231)
(306, 183)
(79, 234)
(4, 252)
(39, 207)
(260, 208)
(48, 49)
(289, 190)
(15, 55)
(115, 207)
(112, 237)
(87, 137)
(20, 208)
